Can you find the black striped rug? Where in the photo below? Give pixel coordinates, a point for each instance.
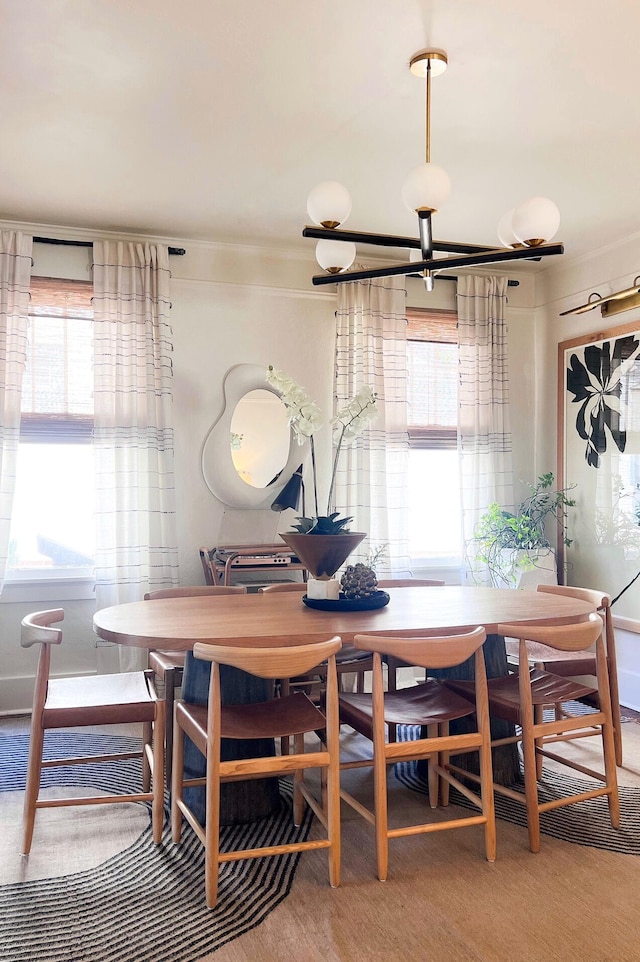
(145, 904)
(585, 823)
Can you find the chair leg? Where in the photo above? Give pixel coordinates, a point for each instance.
(157, 805)
(285, 691)
(444, 761)
(212, 827)
(488, 800)
(609, 753)
(176, 783)
(612, 779)
(298, 775)
(538, 715)
(169, 698)
(432, 776)
(34, 768)
(617, 739)
(147, 738)
(531, 785)
(380, 802)
(331, 805)
(392, 667)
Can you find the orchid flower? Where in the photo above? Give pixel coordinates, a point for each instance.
(305, 418)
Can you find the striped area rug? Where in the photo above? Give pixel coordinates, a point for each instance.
(145, 904)
(585, 823)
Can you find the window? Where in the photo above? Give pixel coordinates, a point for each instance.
(434, 489)
(52, 526)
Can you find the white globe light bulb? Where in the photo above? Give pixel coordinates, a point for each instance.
(505, 231)
(536, 221)
(426, 188)
(329, 204)
(335, 256)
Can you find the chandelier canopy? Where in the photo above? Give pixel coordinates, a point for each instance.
(523, 232)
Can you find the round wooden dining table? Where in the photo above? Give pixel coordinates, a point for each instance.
(281, 618)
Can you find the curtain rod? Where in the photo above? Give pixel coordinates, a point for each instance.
(452, 277)
(177, 251)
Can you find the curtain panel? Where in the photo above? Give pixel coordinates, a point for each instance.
(15, 278)
(371, 481)
(136, 541)
(484, 434)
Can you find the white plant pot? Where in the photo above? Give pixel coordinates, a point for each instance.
(323, 590)
(519, 575)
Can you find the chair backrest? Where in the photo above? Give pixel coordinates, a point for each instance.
(282, 662)
(36, 628)
(195, 591)
(409, 583)
(601, 600)
(577, 637)
(206, 559)
(598, 598)
(284, 586)
(441, 652)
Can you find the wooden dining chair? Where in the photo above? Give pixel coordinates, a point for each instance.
(168, 666)
(87, 701)
(394, 664)
(349, 661)
(291, 716)
(208, 567)
(520, 699)
(578, 664)
(431, 705)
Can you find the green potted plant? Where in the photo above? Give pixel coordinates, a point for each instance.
(506, 544)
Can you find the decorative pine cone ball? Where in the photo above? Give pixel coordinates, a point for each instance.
(358, 581)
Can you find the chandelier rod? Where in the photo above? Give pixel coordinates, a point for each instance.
(427, 152)
(497, 256)
(394, 240)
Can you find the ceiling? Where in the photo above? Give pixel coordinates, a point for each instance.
(212, 119)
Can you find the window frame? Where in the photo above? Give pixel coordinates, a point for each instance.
(70, 583)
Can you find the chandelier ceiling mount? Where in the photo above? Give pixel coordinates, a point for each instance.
(523, 232)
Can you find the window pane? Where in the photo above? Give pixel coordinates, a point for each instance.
(58, 377)
(433, 384)
(52, 525)
(434, 505)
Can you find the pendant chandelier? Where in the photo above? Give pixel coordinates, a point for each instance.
(523, 233)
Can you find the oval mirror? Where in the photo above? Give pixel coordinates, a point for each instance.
(260, 438)
(246, 464)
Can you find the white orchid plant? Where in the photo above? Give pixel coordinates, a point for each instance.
(305, 418)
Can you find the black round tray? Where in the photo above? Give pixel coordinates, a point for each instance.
(377, 600)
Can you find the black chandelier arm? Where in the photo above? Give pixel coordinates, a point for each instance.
(390, 240)
(495, 256)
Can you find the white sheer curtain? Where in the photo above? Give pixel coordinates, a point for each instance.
(136, 542)
(371, 483)
(484, 434)
(15, 277)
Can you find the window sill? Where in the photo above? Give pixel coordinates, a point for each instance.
(49, 589)
(430, 568)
